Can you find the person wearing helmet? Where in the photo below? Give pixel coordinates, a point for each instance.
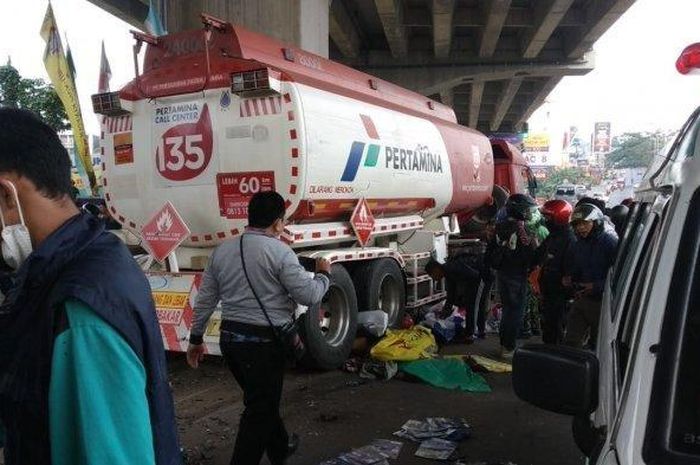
(552, 257)
(512, 256)
(587, 267)
(628, 202)
(618, 215)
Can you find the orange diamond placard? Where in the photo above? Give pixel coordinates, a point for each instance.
(362, 222)
(164, 232)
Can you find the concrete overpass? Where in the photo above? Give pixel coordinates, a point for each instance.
(494, 61)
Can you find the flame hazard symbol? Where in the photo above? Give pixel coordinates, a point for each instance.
(364, 217)
(164, 222)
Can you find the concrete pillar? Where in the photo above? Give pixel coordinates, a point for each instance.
(303, 23)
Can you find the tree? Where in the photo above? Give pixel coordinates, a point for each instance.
(557, 177)
(635, 149)
(32, 94)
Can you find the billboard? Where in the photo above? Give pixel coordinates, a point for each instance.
(601, 137)
(536, 150)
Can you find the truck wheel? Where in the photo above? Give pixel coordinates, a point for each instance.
(328, 329)
(380, 286)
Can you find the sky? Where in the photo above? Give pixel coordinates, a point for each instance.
(634, 84)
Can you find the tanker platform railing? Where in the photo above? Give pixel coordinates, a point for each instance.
(416, 276)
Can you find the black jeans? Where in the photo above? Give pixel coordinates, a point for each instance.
(513, 290)
(483, 303)
(553, 312)
(259, 370)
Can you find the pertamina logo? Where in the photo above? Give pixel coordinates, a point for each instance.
(357, 150)
(397, 158)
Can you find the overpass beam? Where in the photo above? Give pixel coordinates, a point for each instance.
(601, 15)
(504, 102)
(475, 102)
(133, 12)
(548, 15)
(431, 79)
(496, 14)
(342, 30)
(303, 23)
(546, 89)
(391, 14)
(443, 13)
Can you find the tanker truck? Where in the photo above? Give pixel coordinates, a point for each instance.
(215, 115)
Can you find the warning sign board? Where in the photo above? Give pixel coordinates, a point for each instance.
(362, 222)
(123, 149)
(164, 232)
(236, 189)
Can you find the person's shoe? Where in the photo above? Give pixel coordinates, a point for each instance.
(481, 335)
(293, 444)
(507, 354)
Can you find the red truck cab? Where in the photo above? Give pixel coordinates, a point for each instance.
(511, 171)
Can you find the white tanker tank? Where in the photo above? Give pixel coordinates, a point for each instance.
(267, 116)
(221, 113)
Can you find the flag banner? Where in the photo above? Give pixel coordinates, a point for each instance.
(62, 79)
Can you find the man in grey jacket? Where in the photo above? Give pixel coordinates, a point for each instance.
(249, 344)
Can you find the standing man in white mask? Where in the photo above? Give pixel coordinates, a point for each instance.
(82, 367)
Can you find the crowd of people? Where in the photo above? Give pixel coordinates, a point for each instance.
(559, 253)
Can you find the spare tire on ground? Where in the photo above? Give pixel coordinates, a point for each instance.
(328, 329)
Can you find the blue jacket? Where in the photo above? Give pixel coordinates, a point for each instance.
(591, 258)
(79, 261)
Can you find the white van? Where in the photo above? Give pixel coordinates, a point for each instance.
(566, 192)
(637, 399)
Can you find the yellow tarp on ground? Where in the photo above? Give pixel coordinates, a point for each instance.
(405, 345)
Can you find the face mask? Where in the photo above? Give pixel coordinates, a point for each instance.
(16, 242)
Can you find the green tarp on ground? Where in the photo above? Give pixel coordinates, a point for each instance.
(447, 374)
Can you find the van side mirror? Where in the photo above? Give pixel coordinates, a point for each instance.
(556, 378)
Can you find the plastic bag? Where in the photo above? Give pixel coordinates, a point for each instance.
(405, 345)
(374, 323)
(447, 374)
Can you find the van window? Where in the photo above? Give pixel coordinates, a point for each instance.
(689, 145)
(632, 238)
(673, 424)
(685, 433)
(632, 303)
(521, 181)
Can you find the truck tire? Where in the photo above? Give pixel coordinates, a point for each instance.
(380, 285)
(328, 329)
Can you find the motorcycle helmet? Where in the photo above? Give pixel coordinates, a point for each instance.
(557, 211)
(520, 206)
(587, 212)
(618, 215)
